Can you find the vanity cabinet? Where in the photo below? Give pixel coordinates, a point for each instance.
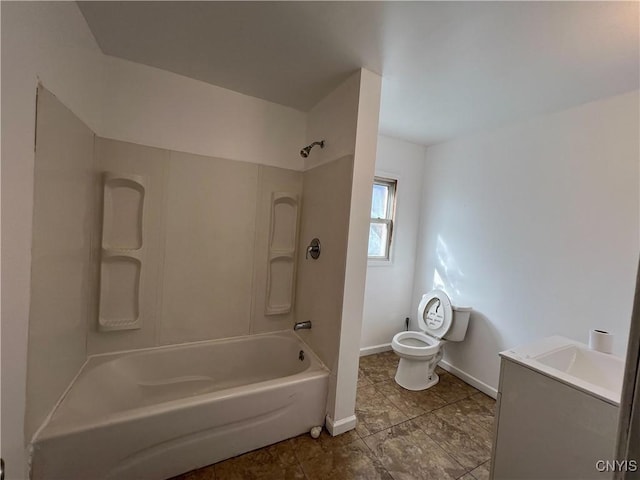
(547, 429)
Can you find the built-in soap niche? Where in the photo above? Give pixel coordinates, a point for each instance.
(119, 292)
(283, 241)
(122, 251)
(122, 216)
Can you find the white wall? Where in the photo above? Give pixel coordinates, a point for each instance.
(154, 107)
(50, 41)
(536, 226)
(342, 407)
(334, 119)
(389, 287)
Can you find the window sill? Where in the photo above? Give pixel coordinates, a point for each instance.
(379, 263)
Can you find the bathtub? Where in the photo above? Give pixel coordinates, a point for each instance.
(159, 412)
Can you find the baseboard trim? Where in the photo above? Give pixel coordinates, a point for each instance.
(385, 347)
(470, 379)
(340, 426)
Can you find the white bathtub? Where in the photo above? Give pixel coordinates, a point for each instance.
(158, 412)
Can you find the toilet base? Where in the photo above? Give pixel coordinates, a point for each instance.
(414, 375)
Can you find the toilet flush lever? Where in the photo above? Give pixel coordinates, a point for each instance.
(313, 249)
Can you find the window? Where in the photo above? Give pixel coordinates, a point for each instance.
(383, 206)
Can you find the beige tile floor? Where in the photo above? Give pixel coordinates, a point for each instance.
(441, 433)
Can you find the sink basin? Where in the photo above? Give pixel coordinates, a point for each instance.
(573, 363)
(594, 367)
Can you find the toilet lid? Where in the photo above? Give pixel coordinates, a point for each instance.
(435, 314)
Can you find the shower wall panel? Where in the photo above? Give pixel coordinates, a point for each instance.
(60, 269)
(151, 164)
(320, 284)
(208, 261)
(205, 241)
(272, 181)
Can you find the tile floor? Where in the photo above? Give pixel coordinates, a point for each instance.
(441, 433)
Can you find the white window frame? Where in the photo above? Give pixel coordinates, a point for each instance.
(389, 218)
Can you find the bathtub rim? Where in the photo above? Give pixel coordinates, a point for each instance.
(100, 358)
(316, 369)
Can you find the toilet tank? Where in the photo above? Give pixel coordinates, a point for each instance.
(459, 324)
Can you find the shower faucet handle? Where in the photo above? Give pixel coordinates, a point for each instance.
(313, 249)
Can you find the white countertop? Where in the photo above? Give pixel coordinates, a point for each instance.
(574, 364)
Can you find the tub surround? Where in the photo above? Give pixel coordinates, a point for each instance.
(206, 225)
(208, 249)
(63, 209)
(210, 230)
(205, 228)
(320, 283)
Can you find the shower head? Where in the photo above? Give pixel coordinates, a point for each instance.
(304, 153)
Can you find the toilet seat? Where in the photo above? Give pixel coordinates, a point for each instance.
(435, 314)
(415, 344)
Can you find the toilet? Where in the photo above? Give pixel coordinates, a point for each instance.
(420, 352)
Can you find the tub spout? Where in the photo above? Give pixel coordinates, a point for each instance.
(302, 325)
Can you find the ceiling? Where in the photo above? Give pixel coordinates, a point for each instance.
(449, 68)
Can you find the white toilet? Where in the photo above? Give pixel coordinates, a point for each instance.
(421, 351)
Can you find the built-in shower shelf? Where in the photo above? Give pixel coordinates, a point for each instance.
(110, 252)
(119, 292)
(283, 241)
(122, 214)
(122, 251)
